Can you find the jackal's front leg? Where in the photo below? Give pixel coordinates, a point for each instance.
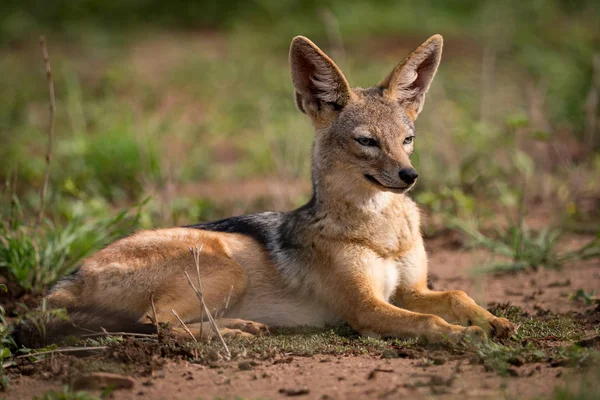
(454, 306)
(353, 293)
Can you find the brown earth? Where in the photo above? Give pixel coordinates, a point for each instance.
(325, 377)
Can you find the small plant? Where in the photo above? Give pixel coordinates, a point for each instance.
(68, 394)
(526, 248)
(36, 257)
(587, 298)
(39, 318)
(6, 342)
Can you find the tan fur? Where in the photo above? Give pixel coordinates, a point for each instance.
(361, 257)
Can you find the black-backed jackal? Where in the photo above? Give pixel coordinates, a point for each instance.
(353, 253)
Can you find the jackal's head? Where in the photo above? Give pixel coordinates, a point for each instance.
(364, 136)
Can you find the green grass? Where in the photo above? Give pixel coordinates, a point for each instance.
(36, 256)
(525, 248)
(68, 394)
(550, 339)
(579, 388)
(6, 342)
(587, 298)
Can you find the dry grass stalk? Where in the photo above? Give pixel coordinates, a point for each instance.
(154, 318)
(12, 192)
(106, 333)
(64, 350)
(227, 300)
(199, 294)
(334, 36)
(184, 325)
(591, 105)
(52, 107)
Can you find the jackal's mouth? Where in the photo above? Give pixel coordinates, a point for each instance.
(374, 181)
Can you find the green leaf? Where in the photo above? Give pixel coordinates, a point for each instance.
(541, 136)
(4, 353)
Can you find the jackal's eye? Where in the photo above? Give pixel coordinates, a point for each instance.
(365, 141)
(409, 140)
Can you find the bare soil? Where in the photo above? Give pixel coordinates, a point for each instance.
(165, 373)
(325, 377)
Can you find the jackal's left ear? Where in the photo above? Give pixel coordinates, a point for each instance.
(320, 85)
(410, 80)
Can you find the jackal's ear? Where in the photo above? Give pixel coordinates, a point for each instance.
(410, 80)
(318, 82)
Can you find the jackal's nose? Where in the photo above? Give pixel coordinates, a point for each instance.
(408, 175)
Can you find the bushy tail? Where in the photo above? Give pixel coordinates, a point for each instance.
(49, 328)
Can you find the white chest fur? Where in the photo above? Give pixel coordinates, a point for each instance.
(385, 277)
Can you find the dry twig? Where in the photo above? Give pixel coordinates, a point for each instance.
(184, 325)
(196, 254)
(50, 128)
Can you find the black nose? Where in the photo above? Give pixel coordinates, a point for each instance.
(408, 175)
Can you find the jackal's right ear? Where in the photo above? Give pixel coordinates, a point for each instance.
(319, 83)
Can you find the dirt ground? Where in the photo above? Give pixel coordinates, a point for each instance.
(417, 373)
(325, 377)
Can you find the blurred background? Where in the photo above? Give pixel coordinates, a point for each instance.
(172, 113)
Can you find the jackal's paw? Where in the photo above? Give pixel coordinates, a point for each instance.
(501, 328)
(251, 327)
(229, 333)
(472, 335)
(465, 335)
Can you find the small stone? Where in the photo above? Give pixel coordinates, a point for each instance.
(517, 361)
(246, 365)
(389, 353)
(101, 380)
(294, 391)
(560, 362)
(438, 360)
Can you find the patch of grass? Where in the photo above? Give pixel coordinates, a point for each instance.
(549, 338)
(112, 164)
(68, 394)
(526, 248)
(578, 388)
(554, 327)
(301, 341)
(39, 318)
(500, 357)
(36, 256)
(551, 326)
(587, 298)
(6, 342)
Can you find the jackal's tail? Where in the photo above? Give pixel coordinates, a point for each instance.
(46, 327)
